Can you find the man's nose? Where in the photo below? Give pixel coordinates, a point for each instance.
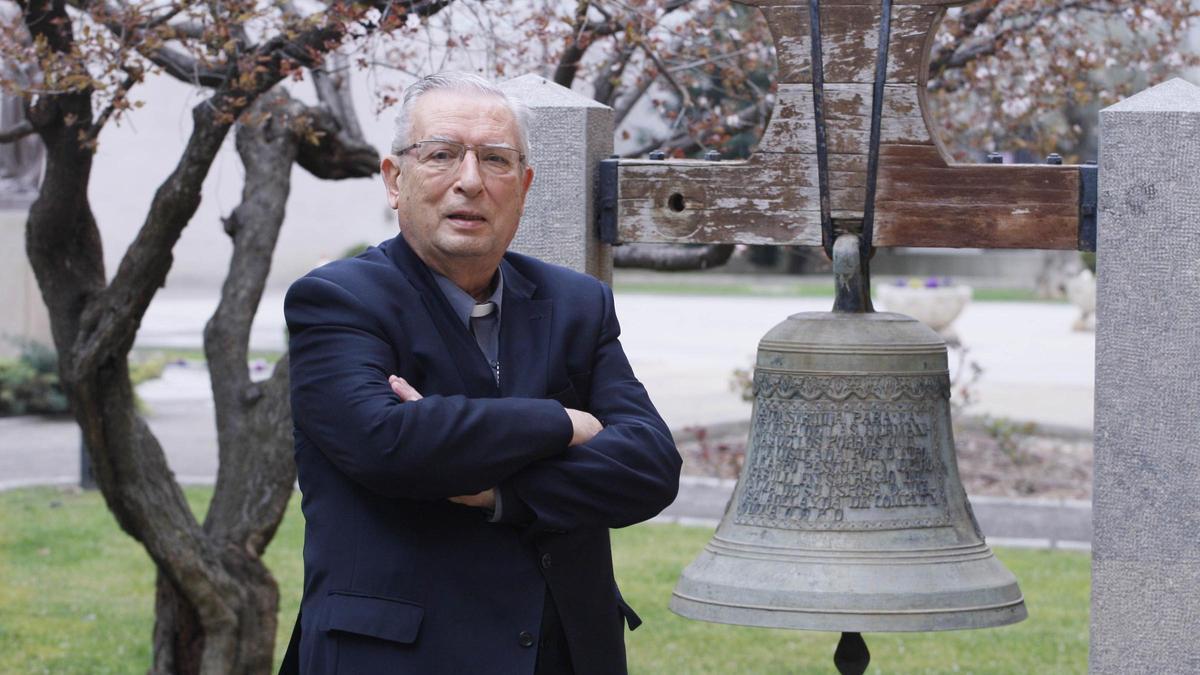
(469, 181)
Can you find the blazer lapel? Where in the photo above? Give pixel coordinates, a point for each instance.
(525, 325)
(473, 370)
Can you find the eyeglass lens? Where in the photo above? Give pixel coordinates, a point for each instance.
(446, 155)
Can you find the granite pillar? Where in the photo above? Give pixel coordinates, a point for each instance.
(1146, 503)
(570, 134)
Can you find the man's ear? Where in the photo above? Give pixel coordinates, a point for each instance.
(389, 166)
(527, 179)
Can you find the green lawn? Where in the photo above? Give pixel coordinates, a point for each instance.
(76, 596)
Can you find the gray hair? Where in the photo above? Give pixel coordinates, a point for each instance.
(464, 82)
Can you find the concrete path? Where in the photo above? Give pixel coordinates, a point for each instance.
(684, 348)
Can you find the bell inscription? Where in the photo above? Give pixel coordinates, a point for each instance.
(845, 453)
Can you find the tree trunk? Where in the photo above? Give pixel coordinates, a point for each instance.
(672, 257)
(180, 638)
(254, 481)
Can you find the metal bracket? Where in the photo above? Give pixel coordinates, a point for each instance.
(606, 200)
(881, 63)
(1088, 198)
(818, 85)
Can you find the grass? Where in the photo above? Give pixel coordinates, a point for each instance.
(76, 596)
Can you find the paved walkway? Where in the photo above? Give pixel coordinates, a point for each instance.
(684, 348)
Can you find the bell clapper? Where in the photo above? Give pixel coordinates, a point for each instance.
(852, 656)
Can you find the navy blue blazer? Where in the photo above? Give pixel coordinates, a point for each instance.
(396, 578)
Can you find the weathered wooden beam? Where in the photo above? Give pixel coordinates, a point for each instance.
(922, 198)
(965, 206)
(769, 199)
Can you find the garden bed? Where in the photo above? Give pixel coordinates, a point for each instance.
(996, 457)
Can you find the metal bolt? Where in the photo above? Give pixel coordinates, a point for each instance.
(995, 158)
(712, 156)
(658, 154)
(1054, 158)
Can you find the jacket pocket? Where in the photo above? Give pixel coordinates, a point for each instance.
(383, 618)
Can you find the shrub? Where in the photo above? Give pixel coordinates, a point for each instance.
(29, 384)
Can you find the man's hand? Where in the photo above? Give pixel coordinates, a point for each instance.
(583, 426)
(403, 389)
(483, 500)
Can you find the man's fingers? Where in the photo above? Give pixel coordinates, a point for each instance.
(483, 500)
(584, 426)
(403, 389)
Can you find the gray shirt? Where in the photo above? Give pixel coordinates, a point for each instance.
(482, 319)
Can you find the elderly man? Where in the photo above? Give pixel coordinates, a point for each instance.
(467, 425)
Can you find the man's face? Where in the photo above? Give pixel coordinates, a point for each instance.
(465, 217)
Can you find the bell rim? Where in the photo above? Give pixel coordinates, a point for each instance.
(865, 620)
(949, 555)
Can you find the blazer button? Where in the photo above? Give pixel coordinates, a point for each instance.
(546, 560)
(525, 639)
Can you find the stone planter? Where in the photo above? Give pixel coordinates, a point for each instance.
(935, 307)
(1081, 291)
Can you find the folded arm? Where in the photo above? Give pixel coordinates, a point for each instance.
(626, 473)
(435, 448)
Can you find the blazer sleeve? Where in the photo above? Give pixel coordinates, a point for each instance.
(435, 448)
(627, 473)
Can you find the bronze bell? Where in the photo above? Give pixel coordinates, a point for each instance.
(849, 514)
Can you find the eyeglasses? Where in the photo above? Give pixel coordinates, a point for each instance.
(445, 156)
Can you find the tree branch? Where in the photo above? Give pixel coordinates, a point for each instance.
(666, 74)
(568, 61)
(969, 20)
(93, 132)
(966, 51)
(335, 154)
(584, 36)
(672, 257)
(333, 91)
(335, 148)
(174, 62)
(631, 100)
(186, 68)
(256, 469)
(605, 90)
(111, 319)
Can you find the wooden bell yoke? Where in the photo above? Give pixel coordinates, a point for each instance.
(852, 147)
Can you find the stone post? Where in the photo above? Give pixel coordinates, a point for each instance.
(570, 134)
(1146, 502)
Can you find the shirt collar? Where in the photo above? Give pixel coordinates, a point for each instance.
(462, 303)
